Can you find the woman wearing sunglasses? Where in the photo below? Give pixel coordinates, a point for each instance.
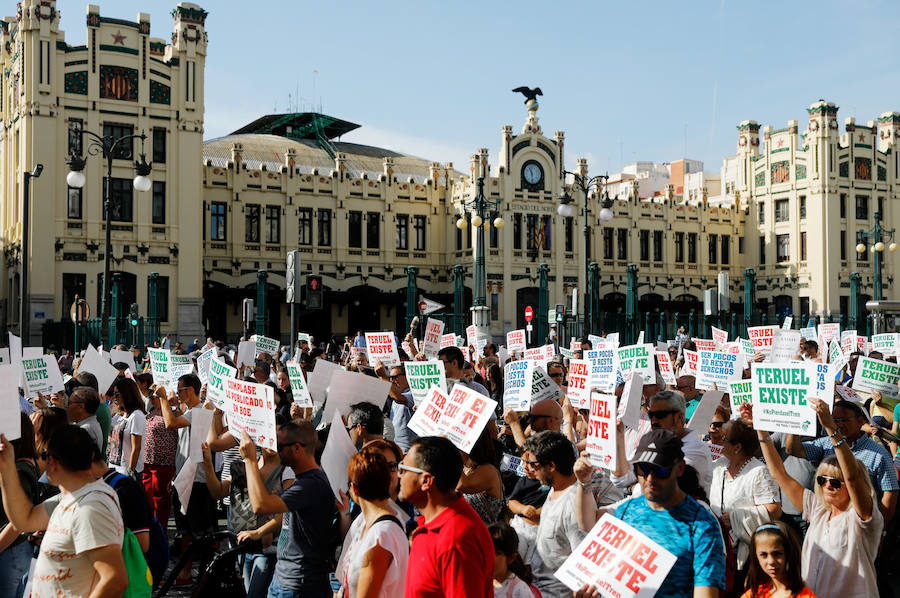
(845, 526)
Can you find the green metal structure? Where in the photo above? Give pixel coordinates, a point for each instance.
(412, 295)
(261, 308)
(591, 307)
(541, 325)
(631, 305)
(749, 298)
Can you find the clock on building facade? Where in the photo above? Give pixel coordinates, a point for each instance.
(532, 176)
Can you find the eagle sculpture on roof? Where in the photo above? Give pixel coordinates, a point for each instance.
(530, 94)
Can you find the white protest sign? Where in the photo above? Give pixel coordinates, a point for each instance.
(246, 354)
(834, 351)
(217, 374)
(665, 367)
(640, 338)
(808, 333)
(603, 368)
(785, 345)
(447, 340)
(203, 362)
(459, 417)
(408, 349)
(42, 376)
(179, 365)
(691, 363)
(739, 392)
(717, 368)
(886, 343)
(349, 388)
(159, 365)
(874, 374)
(829, 331)
(747, 349)
(637, 359)
(537, 355)
(251, 407)
(336, 456)
(629, 410)
(513, 464)
(779, 397)
(126, 357)
(518, 377)
(704, 344)
(15, 349)
(303, 337)
(383, 346)
(579, 393)
(299, 391)
(434, 329)
(10, 411)
(422, 376)
(847, 393)
(613, 338)
(601, 438)
(515, 340)
(201, 419)
(264, 344)
(848, 341)
(787, 323)
(470, 335)
(542, 386)
(596, 341)
(93, 363)
(823, 383)
(715, 451)
(618, 560)
(705, 410)
(320, 378)
(762, 338)
(720, 337)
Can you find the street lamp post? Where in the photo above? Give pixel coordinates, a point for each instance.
(24, 304)
(565, 209)
(878, 236)
(110, 147)
(484, 210)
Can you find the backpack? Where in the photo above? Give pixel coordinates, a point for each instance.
(157, 556)
(140, 580)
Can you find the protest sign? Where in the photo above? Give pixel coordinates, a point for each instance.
(264, 344)
(93, 363)
(299, 391)
(762, 337)
(542, 386)
(431, 344)
(383, 346)
(704, 344)
(422, 376)
(886, 343)
(447, 340)
(809, 333)
(537, 355)
(829, 331)
(515, 340)
(320, 378)
(179, 365)
(513, 464)
(739, 392)
(579, 393)
(15, 349)
(719, 336)
(217, 374)
(303, 337)
(603, 368)
(834, 351)
(715, 451)
(848, 341)
(637, 359)
(407, 349)
(10, 410)
(601, 438)
(665, 367)
(480, 343)
(126, 357)
(640, 339)
(42, 376)
(568, 354)
(787, 323)
(596, 341)
(518, 377)
(747, 349)
(336, 456)
(629, 410)
(612, 338)
(779, 397)
(785, 345)
(617, 560)
(690, 367)
(823, 383)
(460, 416)
(874, 374)
(4, 355)
(847, 393)
(470, 335)
(251, 407)
(349, 388)
(246, 354)
(717, 368)
(705, 410)
(203, 362)
(159, 365)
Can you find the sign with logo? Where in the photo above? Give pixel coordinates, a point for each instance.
(159, 365)
(779, 397)
(219, 372)
(264, 344)
(42, 376)
(518, 377)
(762, 338)
(603, 369)
(427, 306)
(739, 392)
(383, 346)
(251, 408)
(637, 359)
(579, 392)
(874, 374)
(601, 439)
(299, 391)
(717, 368)
(515, 341)
(434, 329)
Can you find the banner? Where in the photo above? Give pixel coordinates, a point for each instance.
(515, 340)
(518, 377)
(785, 345)
(601, 438)
(886, 343)
(717, 368)
(720, 337)
(423, 376)
(459, 417)
(762, 337)
(874, 374)
(299, 391)
(42, 376)
(264, 344)
(251, 407)
(579, 392)
(779, 398)
(603, 369)
(159, 365)
(665, 367)
(637, 359)
(447, 340)
(739, 392)
(618, 560)
(434, 329)
(381, 345)
(219, 372)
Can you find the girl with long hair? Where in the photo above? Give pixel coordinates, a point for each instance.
(773, 570)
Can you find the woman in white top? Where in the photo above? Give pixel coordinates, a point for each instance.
(131, 434)
(838, 556)
(374, 563)
(742, 495)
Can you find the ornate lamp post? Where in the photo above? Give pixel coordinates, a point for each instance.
(878, 235)
(110, 147)
(484, 211)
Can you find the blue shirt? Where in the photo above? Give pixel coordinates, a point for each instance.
(400, 416)
(691, 533)
(875, 457)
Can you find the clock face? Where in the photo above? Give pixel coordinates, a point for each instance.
(532, 176)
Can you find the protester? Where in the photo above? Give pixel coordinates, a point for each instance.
(104, 416)
(512, 577)
(454, 368)
(365, 423)
(774, 567)
(720, 418)
(160, 448)
(692, 396)
(82, 409)
(15, 551)
(401, 407)
(480, 481)
(128, 432)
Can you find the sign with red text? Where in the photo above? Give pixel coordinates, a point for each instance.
(515, 340)
(579, 393)
(665, 367)
(618, 560)
(690, 363)
(251, 407)
(720, 337)
(383, 346)
(470, 335)
(601, 438)
(704, 344)
(459, 417)
(448, 340)
(828, 332)
(848, 341)
(762, 338)
(434, 330)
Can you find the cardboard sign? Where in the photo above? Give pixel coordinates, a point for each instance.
(823, 383)
(779, 397)
(459, 417)
(704, 344)
(618, 560)
(382, 345)
(629, 410)
(785, 345)
(579, 393)
(717, 368)
(603, 369)
(336, 456)
(10, 418)
(126, 357)
(423, 376)
(787, 323)
(434, 329)
(264, 344)
(299, 391)
(251, 407)
(203, 364)
(829, 331)
(691, 363)
(348, 388)
(42, 376)
(447, 340)
(665, 367)
(179, 365)
(874, 374)
(886, 343)
(601, 438)
(217, 374)
(637, 359)
(159, 365)
(515, 340)
(408, 349)
(513, 464)
(320, 378)
(705, 411)
(762, 338)
(847, 393)
(542, 385)
(739, 392)
(518, 377)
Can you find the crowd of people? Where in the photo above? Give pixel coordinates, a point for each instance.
(99, 475)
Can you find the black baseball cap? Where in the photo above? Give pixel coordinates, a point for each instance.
(659, 447)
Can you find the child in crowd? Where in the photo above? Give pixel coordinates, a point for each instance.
(775, 570)
(512, 577)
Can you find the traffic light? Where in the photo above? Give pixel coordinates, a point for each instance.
(292, 277)
(315, 294)
(560, 312)
(133, 315)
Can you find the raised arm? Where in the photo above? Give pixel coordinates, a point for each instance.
(19, 510)
(585, 506)
(791, 487)
(263, 503)
(512, 420)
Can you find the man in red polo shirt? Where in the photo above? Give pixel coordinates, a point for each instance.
(452, 553)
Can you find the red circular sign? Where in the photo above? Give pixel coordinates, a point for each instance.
(422, 306)
(529, 313)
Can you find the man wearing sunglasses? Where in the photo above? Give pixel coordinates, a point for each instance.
(665, 514)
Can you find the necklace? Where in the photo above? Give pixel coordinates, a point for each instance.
(736, 474)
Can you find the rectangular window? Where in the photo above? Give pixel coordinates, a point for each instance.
(158, 207)
(644, 243)
(75, 136)
(273, 225)
(419, 223)
(843, 246)
(570, 234)
(495, 306)
(121, 193)
(803, 246)
(782, 248)
(305, 226)
(692, 248)
(402, 240)
(804, 307)
(373, 230)
(762, 213)
(741, 245)
(782, 211)
(517, 231)
(843, 205)
(354, 237)
(493, 236)
(459, 239)
(862, 207)
(74, 210)
(217, 221)
(607, 244)
(713, 249)
(162, 297)
(123, 149)
(762, 249)
(862, 257)
(545, 230)
(679, 248)
(622, 243)
(657, 246)
(881, 206)
(159, 146)
(726, 250)
(251, 223)
(802, 207)
(324, 227)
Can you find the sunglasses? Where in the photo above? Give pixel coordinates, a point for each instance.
(716, 424)
(556, 375)
(662, 414)
(533, 464)
(287, 444)
(835, 483)
(658, 471)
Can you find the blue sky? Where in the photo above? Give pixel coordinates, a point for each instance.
(628, 80)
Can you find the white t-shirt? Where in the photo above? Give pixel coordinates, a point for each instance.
(135, 425)
(86, 519)
(389, 536)
(558, 535)
(512, 587)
